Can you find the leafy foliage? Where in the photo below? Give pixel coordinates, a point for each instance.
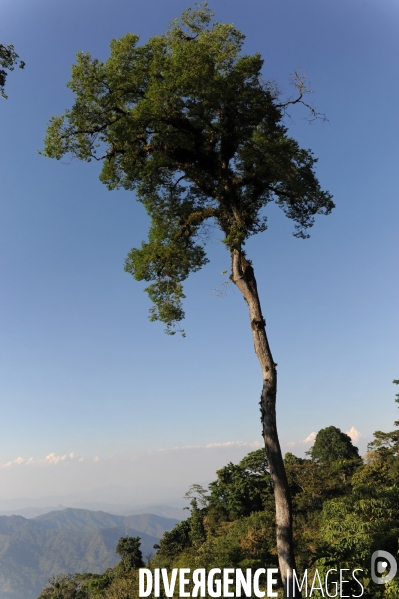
(241, 489)
(187, 122)
(9, 59)
(129, 550)
(386, 445)
(332, 445)
(66, 587)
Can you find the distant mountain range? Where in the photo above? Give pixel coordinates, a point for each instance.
(30, 508)
(81, 520)
(67, 541)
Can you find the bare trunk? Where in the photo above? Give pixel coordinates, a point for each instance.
(243, 276)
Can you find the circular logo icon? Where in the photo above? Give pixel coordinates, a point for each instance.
(383, 559)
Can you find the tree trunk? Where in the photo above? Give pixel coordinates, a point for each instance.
(243, 276)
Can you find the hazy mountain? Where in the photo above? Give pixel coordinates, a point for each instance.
(32, 512)
(30, 508)
(107, 498)
(71, 540)
(75, 519)
(167, 511)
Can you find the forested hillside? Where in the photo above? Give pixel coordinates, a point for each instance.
(71, 540)
(345, 508)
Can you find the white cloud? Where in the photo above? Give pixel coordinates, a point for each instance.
(309, 439)
(354, 434)
(159, 476)
(252, 445)
(51, 459)
(17, 461)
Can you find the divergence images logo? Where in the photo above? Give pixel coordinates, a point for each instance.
(385, 559)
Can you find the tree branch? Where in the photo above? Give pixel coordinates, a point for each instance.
(299, 82)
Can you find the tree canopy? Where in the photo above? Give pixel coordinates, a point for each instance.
(386, 444)
(129, 550)
(332, 445)
(188, 122)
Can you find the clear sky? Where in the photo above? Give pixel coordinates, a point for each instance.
(83, 371)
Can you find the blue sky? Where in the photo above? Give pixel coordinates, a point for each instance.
(82, 369)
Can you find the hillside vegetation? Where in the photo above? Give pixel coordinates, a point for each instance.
(71, 540)
(345, 508)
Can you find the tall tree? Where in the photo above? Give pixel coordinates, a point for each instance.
(187, 122)
(9, 59)
(386, 445)
(332, 445)
(129, 550)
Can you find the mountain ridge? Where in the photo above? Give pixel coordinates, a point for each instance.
(81, 519)
(66, 541)
(31, 508)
